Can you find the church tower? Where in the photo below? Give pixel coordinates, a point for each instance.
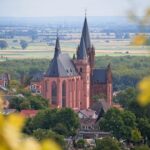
(83, 68)
(109, 85)
(89, 47)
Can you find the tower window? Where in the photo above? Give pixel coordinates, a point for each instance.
(54, 93)
(81, 70)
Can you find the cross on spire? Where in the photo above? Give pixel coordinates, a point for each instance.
(57, 46)
(85, 12)
(57, 32)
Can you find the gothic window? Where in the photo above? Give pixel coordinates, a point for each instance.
(81, 70)
(64, 94)
(46, 86)
(54, 93)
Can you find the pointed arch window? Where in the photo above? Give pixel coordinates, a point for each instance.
(54, 93)
(64, 94)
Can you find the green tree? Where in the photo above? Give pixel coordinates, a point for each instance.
(107, 144)
(64, 121)
(25, 105)
(16, 102)
(42, 134)
(125, 97)
(143, 125)
(80, 143)
(61, 129)
(29, 102)
(70, 119)
(3, 44)
(23, 44)
(142, 147)
(136, 136)
(119, 123)
(37, 102)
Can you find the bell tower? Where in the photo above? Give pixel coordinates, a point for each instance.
(89, 47)
(83, 68)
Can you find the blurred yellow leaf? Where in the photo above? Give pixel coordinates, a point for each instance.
(11, 137)
(139, 40)
(50, 145)
(30, 143)
(144, 89)
(16, 120)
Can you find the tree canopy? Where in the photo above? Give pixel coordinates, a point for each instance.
(3, 44)
(29, 102)
(23, 44)
(64, 122)
(119, 123)
(107, 144)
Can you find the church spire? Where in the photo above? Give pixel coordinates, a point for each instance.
(82, 54)
(57, 48)
(86, 35)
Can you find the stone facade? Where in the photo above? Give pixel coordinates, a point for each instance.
(73, 82)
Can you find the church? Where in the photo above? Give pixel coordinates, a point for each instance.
(74, 82)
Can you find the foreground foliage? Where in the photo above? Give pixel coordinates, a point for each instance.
(11, 137)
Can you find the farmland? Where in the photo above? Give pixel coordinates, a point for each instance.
(113, 38)
(42, 50)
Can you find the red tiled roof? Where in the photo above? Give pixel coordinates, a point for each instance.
(29, 113)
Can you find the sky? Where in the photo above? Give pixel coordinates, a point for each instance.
(49, 8)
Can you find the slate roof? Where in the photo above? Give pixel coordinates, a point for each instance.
(61, 65)
(86, 35)
(57, 48)
(82, 54)
(4, 76)
(37, 77)
(99, 76)
(100, 105)
(101, 108)
(89, 113)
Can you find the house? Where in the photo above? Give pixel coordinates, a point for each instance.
(4, 80)
(36, 85)
(87, 113)
(88, 124)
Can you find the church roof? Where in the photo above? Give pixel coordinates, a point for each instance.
(99, 76)
(37, 77)
(61, 65)
(82, 54)
(86, 35)
(57, 48)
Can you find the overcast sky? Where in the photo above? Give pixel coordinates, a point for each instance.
(48, 8)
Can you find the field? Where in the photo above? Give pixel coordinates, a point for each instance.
(37, 49)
